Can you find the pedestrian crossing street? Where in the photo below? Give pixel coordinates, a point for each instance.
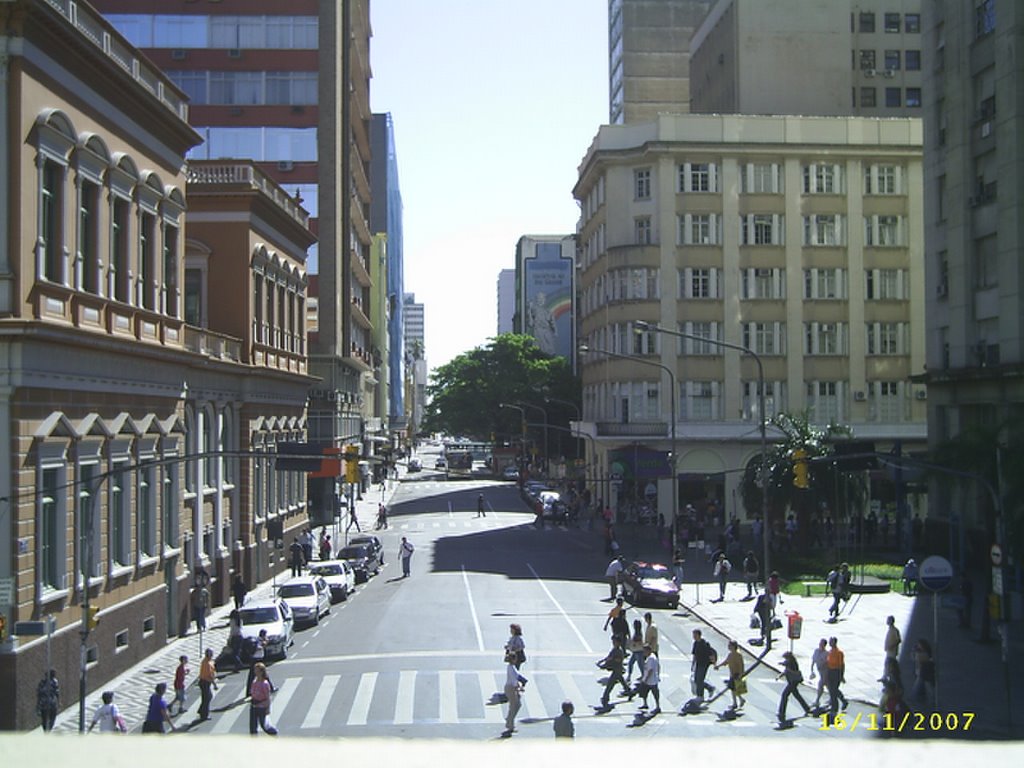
(343, 704)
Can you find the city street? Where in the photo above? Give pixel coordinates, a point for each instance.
(422, 657)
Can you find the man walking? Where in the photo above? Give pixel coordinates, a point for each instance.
(512, 690)
(614, 574)
(892, 639)
(200, 600)
(405, 551)
(650, 679)
(297, 556)
(179, 684)
(651, 633)
(48, 699)
(839, 582)
(703, 656)
(480, 506)
(613, 664)
(207, 682)
(836, 675)
(819, 667)
(239, 589)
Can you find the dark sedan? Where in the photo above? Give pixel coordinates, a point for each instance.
(650, 583)
(363, 559)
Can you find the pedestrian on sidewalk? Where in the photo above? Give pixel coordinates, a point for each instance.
(836, 663)
(157, 713)
(179, 684)
(48, 699)
(924, 672)
(235, 638)
(108, 716)
(239, 589)
(722, 568)
(512, 694)
(480, 512)
(819, 666)
(751, 569)
(613, 573)
(839, 583)
(649, 680)
(892, 639)
(382, 516)
(296, 556)
(677, 568)
(635, 648)
(405, 551)
(259, 702)
(200, 602)
(736, 684)
(306, 540)
(791, 671)
(613, 664)
(325, 547)
(207, 683)
(775, 590)
(702, 657)
(651, 632)
(563, 725)
(763, 610)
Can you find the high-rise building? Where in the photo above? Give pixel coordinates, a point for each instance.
(798, 238)
(975, 233)
(648, 57)
(287, 85)
(386, 217)
(415, 361)
(506, 300)
(808, 57)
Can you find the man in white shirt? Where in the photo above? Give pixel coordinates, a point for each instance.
(650, 680)
(405, 553)
(892, 639)
(512, 689)
(614, 573)
(651, 633)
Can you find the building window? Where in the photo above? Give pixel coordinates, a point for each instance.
(147, 263)
(868, 96)
(88, 237)
(194, 297)
(765, 338)
(824, 283)
(774, 399)
(170, 265)
(885, 285)
(892, 60)
(51, 529)
(146, 505)
(700, 178)
(700, 401)
(867, 59)
(763, 283)
(893, 97)
(823, 229)
(912, 23)
(642, 228)
(120, 276)
(884, 338)
(51, 241)
(699, 229)
(912, 60)
(84, 523)
(892, 23)
(985, 17)
(642, 183)
(882, 179)
(882, 231)
(913, 97)
(120, 522)
(761, 179)
(823, 401)
(825, 339)
(867, 21)
(696, 346)
(823, 179)
(887, 402)
(761, 229)
(169, 505)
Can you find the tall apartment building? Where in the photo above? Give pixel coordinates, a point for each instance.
(386, 217)
(415, 361)
(808, 57)
(799, 238)
(506, 303)
(974, 230)
(148, 351)
(648, 57)
(286, 84)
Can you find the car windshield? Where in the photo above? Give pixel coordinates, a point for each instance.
(350, 553)
(265, 615)
(295, 590)
(649, 572)
(325, 570)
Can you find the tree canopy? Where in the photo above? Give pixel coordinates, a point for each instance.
(465, 395)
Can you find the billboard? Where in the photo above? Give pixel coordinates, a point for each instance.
(547, 298)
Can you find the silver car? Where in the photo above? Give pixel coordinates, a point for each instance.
(274, 616)
(307, 596)
(340, 578)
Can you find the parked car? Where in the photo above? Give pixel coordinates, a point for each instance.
(510, 473)
(273, 615)
(368, 539)
(362, 558)
(650, 583)
(309, 597)
(414, 465)
(440, 463)
(338, 574)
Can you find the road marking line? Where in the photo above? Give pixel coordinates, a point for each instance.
(472, 611)
(318, 708)
(227, 720)
(448, 710)
(488, 687)
(533, 702)
(405, 697)
(284, 695)
(570, 689)
(364, 695)
(561, 610)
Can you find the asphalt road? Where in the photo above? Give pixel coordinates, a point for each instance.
(422, 657)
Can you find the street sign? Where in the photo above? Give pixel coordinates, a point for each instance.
(7, 591)
(935, 573)
(996, 553)
(29, 628)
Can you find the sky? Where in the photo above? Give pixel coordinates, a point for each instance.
(494, 106)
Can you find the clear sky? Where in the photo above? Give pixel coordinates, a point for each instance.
(494, 105)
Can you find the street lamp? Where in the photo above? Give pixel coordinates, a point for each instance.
(642, 325)
(576, 409)
(524, 404)
(522, 438)
(584, 349)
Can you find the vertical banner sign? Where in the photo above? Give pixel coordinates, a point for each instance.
(547, 311)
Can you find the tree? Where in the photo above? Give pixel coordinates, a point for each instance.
(465, 395)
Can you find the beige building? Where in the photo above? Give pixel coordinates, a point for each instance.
(139, 373)
(648, 57)
(799, 238)
(808, 57)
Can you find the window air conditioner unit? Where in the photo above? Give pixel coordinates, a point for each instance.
(286, 165)
(921, 394)
(234, 53)
(178, 54)
(889, 73)
(860, 396)
(869, 73)
(986, 129)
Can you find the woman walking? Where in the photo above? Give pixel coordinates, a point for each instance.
(516, 648)
(736, 684)
(635, 646)
(791, 671)
(259, 701)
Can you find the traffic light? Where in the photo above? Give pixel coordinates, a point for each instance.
(351, 463)
(801, 478)
(93, 620)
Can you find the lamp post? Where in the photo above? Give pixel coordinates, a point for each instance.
(765, 528)
(524, 404)
(576, 409)
(672, 402)
(522, 438)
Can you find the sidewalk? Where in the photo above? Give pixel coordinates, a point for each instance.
(972, 676)
(133, 688)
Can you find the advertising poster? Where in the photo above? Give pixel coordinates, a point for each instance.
(548, 299)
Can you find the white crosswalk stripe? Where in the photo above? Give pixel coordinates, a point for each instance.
(405, 698)
(317, 710)
(364, 695)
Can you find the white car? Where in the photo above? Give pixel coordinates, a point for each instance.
(272, 615)
(340, 578)
(307, 596)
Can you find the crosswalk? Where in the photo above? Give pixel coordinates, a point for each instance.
(344, 703)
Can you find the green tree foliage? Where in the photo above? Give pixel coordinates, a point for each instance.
(464, 395)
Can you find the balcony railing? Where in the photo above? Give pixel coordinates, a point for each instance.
(216, 173)
(204, 342)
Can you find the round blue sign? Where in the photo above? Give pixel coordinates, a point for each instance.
(935, 573)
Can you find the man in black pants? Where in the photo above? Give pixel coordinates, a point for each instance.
(613, 663)
(703, 657)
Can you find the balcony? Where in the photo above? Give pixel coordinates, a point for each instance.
(214, 345)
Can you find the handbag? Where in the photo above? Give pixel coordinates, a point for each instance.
(740, 686)
(755, 622)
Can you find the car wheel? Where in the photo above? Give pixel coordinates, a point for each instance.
(344, 594)
(316, 618)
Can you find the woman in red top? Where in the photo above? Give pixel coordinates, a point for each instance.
(259, 698)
